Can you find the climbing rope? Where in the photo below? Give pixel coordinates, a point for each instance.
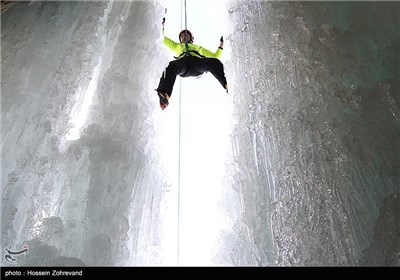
(186, 37)
(183, 3)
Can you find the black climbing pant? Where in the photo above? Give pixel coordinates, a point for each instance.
(190, 66)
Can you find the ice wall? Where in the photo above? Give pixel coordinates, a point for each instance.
(317, 144)
(80, 172)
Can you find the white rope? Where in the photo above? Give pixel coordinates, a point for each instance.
(179, 150)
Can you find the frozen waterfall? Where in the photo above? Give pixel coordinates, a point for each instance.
(298, 166)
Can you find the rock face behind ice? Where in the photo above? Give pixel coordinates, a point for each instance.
(385, 245)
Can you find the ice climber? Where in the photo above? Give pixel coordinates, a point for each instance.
(190, 61)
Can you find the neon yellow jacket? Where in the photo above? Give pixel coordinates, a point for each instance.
(179, 48)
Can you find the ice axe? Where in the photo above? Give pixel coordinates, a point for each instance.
(163, 20)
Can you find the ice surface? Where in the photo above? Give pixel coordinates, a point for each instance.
(317, 145)
(298, 166)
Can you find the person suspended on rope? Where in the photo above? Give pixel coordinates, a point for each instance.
(190, 61)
